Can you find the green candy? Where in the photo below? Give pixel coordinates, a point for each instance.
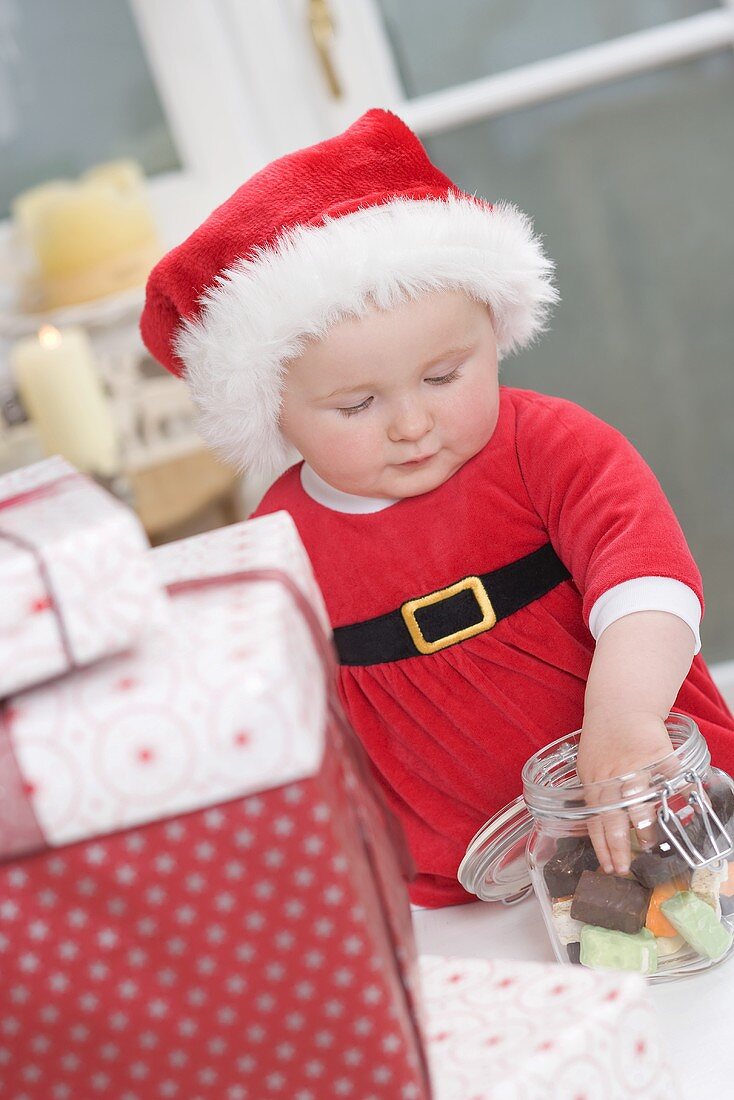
(698, 924)
(607, 949)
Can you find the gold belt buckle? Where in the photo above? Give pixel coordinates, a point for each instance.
(409, 609)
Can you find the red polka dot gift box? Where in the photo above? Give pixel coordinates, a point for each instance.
(76, 577)
(201, 894)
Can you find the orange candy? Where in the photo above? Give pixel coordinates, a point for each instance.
(727, 886)
(656, 921)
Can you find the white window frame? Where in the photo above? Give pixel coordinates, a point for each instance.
(210, 108)
(241, 82)
(270, 41)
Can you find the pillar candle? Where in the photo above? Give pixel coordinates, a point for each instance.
(62, 393)
(88, 238)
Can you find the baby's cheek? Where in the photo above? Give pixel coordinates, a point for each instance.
(482, 418)
(341, 445)
(470, 426)
(361, 449)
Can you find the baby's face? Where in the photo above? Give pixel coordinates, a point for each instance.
(414, 381)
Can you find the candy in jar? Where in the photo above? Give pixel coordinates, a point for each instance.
(673, 912)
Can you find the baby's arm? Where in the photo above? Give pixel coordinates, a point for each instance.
(613, 528)
(639, 664)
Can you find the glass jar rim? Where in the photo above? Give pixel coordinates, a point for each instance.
(551, 787)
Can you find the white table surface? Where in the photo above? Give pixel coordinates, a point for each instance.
(696, 1013)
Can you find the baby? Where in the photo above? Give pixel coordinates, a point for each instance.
(500, 567)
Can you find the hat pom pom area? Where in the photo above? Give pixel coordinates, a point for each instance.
(259, 312)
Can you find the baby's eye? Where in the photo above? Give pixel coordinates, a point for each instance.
(445, 377)
(356, 408)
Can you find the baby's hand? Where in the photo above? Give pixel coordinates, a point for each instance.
(615, 745)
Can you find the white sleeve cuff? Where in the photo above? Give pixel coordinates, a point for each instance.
(646, 594)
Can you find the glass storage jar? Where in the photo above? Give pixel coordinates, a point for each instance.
(673, 913)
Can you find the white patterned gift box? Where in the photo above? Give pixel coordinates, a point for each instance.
(76, 580)
(250, 545)
(503, 1030)
(214, 906)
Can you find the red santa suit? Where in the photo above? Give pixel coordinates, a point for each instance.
(448, 732)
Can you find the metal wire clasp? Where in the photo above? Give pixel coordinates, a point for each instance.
(670, 822)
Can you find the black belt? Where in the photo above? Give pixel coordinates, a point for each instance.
(449, 615)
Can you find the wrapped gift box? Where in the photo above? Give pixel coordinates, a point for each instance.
(215, 905)
(248, 545)
(76, 579)
(499, 1030)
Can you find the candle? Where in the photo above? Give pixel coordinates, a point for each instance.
(62, 393)
(90, 237)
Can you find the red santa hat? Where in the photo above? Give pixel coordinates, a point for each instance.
(359, 221)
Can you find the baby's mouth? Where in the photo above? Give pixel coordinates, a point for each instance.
(417, 461)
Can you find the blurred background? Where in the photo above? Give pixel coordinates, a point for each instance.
(610, 122)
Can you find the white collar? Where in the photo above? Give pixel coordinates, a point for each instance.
(338, 501)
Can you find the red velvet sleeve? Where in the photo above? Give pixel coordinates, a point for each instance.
(605, 511)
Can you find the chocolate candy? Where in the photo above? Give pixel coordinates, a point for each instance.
(726, 901)
(574, 855)
(663, 861)
(610, 901)
(604, 949)
(574, 952)
(659, 865)
(697, 923)
(722, 800)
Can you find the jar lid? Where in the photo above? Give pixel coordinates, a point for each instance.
(494, 866)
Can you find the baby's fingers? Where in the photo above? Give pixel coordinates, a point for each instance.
(609, 830)
(617, 837)
(599, 841)
(604, 832)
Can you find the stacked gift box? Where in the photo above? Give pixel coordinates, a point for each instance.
(76, 583)
(201, 892)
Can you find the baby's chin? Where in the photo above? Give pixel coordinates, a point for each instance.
(396, 487)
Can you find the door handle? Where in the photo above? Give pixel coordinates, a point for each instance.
(321, 27)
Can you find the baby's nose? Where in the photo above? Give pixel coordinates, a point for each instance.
(410, 421)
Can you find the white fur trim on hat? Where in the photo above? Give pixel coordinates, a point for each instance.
(259, 312)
